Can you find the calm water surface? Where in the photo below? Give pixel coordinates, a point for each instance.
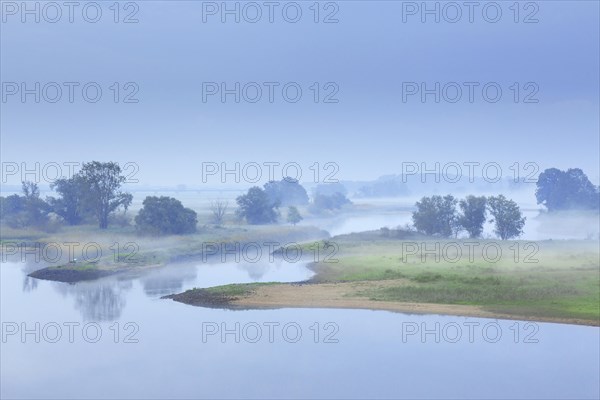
(152, 348)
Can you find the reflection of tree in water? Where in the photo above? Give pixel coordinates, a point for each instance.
(104, 302)
(254, 270)
(167, 280)
(98, 301)
(29, 284)
(28, 266)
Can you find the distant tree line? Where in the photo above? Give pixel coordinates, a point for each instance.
(26, 210)
(94, 193)
(437, 215)
(261, 205)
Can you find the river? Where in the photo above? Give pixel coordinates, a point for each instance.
(117, 338)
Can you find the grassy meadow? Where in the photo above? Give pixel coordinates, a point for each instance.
(547, 278)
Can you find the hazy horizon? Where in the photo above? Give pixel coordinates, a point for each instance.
(170, 53)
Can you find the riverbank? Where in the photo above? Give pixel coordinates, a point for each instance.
(84, 253)
(341, 295)
(551, 281)
(73, 273)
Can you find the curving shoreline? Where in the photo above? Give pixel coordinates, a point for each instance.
(71, 275)
(339, 295)
(369, 272)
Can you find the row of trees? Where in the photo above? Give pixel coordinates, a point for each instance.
(261, 206)
(26, 210)
(437, 215)
(95, 194)
(167, 215)
(92, 193)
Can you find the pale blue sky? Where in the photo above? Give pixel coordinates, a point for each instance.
(368, 54)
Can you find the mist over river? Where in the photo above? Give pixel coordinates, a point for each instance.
(374, 214)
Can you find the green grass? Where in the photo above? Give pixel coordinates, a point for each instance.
(230, 290)
(235, 290)
(84, 267)
(564, 282)
(8, 234)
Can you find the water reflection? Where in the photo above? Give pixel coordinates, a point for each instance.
(103, 300)
(29, 284)
(255, 271)
(371, 359)
(167, 280)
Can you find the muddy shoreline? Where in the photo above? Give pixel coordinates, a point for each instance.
(342, 295)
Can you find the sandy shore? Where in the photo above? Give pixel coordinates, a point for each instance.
(344, 295)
